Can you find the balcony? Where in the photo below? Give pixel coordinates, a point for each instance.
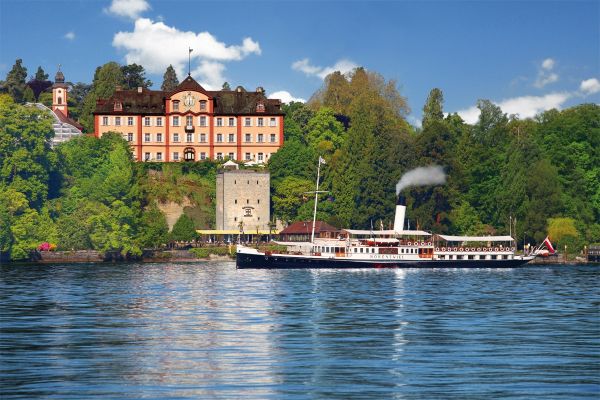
(189, 128)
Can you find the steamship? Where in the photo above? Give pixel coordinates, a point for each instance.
(396, 248)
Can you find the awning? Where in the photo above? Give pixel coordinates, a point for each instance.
(476, 238)
(234, 232)
(387, 232)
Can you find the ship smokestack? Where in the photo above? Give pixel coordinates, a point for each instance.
(400, 212)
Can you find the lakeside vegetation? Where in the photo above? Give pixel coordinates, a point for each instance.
(88, 193)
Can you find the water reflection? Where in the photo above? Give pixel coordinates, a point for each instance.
(206, 330)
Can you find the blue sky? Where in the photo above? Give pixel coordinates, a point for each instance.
(525, 56)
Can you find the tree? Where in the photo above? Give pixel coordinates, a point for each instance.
(184, 229)
(134, 76)
(40, 75)
(77, 94)
(226, 86)
(170, 80)
(28, 96)
(325, 134)
(562, 232)
(433, 108)
(15, 81)
(289, 196)
(25, 159)
(154, 230)
(106, 79)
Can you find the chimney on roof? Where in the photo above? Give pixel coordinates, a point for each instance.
(140, 89)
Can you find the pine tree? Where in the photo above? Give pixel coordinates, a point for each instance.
(15, 81)
(28, 96)
(40, 75)
(134, 76)
(433, 109)
(170, 80)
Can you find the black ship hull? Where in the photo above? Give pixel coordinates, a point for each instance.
(282, 261)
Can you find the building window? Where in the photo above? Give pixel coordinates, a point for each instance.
(104, 120)
(219, 156)
(260, 157)
(272, 122)
(118, 121)
(248, 138)
(159, 137)
(175, 121)
(231, 122)
(146, 156)
(146, 121)
(176, 137)
(231, 156)
(203, 156)
(202, 121)
(118, 105)
(176, 156)
(159, 156)
(273, 138)
(248, 157)
(146, 137)
(219, 121)
(158, 121)
(261, 138)
(189, 120)
(129, 121)
(130, 137)
(261, 122)
(248, 212)
(203, 104)
(189, 154)
(260, 107)
(203, 137)
(219, 138)
(247, 121)
(176, 105)
(231, 138)
(189, 137)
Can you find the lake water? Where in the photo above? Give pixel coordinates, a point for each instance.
(206, 330)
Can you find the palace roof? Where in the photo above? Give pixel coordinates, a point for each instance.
(152, 102)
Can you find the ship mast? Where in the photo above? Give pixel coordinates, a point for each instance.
(312, 236)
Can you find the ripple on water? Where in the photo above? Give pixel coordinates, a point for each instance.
(207, 330)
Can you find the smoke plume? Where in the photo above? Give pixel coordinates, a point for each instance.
(422, 176)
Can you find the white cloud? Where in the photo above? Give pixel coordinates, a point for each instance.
(285, 97)
(211, 73)
(127, 8)
(414, 121)
(70, 35)
(545, 75)
(524, 106)
(344, 66)
(548, 64)
(155, 45)
(590, 86)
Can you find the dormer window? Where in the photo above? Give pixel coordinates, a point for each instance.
(203, 104)
(118, 106)
(176, 105)
(260, 107)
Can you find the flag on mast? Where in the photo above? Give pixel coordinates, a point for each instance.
(321, 160)
(549, 245)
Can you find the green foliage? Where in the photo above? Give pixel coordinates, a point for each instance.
(154, 230)
(325, 134)
(184, 229)
(289, 195)
(170, 80)
(106, 79)
(226, 86)
(40, 75)
(28, 96)
(15, 81)
(46, 99)
(433, 110)
(134, 76)
(24, 151)
(205, 252)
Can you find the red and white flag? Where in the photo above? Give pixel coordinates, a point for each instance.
(549, 245)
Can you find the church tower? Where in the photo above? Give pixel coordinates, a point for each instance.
(59, 94)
